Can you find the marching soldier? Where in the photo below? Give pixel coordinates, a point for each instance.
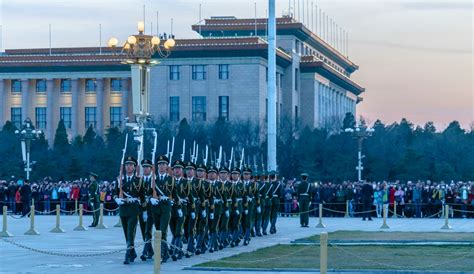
(236, 194)
(277, 194)
(304, 193)
(216, 208)
(225, 212)
(163, 194)
(267, 198)
(194, 186)
(203, 209)
(259, 204)
(250, 193)
(128, 195)
(145, 218)
(94, 200)
(179, 209)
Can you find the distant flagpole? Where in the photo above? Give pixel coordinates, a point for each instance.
(50, 39)
(100, 38)
(157, 24)
(144, 25)
(199, 20)
(312, 16)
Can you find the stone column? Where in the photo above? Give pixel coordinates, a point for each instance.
(50, 123)
(2, 101)
(124, 99)
(75, 107)
(106, 104)
(100, 106)
(25, 85)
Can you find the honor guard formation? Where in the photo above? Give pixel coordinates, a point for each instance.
(206, 206)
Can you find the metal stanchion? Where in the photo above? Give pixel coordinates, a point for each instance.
(446, 218)
(385, 213)
(80, 226)
(394, 209)
(157, 248)
(101, 218)
(323, 256)
(58, 228)
(32, 230)
(5, 232)
(320, 224)
(347, 209)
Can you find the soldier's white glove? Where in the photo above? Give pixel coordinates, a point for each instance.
(211, 216)
(259, 209)
(119, 201)
(164, 198)
(145, 216)
(180, 213)
(203, 214)
(227, 213)
(193, 215)
(154, 201)
(246, 212)
(237, 212)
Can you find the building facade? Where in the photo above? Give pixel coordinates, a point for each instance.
(223, 74)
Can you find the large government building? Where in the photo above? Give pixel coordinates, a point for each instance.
(221, 74)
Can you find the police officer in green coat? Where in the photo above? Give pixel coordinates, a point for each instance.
(304, 192)
(128, 194)
(94, 200)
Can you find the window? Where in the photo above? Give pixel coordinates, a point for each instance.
(266, 74)
(174, 72)
(278, 79)
(296, 79)
(16, 117)
(199, 72)
(224, 107)
(90, 85)
(296, 116)
(174, 108)
(223, 72)
(65, 85)
(16, 86)
(199, 108)
(65, 115)
(115, 85)
(115, 116)
(91, 116)
(40, 85)
(281, 80)
(40, 117)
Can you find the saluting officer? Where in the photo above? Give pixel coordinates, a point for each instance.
(128, 194)
(304, 193)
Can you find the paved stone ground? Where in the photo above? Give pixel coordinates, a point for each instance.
(18, 260)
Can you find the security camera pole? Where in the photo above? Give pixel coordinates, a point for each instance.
(139, 50)
(360, 133)
(27, 134)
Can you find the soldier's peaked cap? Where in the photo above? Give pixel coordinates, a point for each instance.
(201, 166)
(162, 159)
(146, 162)
(178, 163)
(131, 160)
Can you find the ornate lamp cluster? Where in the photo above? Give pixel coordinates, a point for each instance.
(140, 47)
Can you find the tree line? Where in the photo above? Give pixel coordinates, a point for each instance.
(399, 151)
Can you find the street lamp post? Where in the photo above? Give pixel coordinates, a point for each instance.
(139, 50)
(27, 134)
(360, 133)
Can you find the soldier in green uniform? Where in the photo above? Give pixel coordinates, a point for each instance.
(226, 203)
(128, 194)
(267, 198)
(163, 194)
(304, 193)
(179, 209)
(145, 218)
(203, 209)
(259, 204)
(216, 208)
(277, 194)
(94, 200)
(236, 194)
(193, 199)
(250, 191)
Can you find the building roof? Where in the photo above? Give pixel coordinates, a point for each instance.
(225, 26)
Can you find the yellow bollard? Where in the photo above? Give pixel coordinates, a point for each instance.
(32, 230)
(320, 224)
(157, 248)
(101, 218)
(5, 232)
(80, 227)
(394, 209)
(385, 213)
(57, 228)
(323, 256)
(446, 218)
(347, 210)
(75, 207)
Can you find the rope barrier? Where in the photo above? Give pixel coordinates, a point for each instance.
(15, 217)
(111, 210)
(464, 211)
(91, 211)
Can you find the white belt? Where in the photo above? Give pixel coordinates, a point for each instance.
(239, 199)
(304, 194)
(229, 200)
(275, 195)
